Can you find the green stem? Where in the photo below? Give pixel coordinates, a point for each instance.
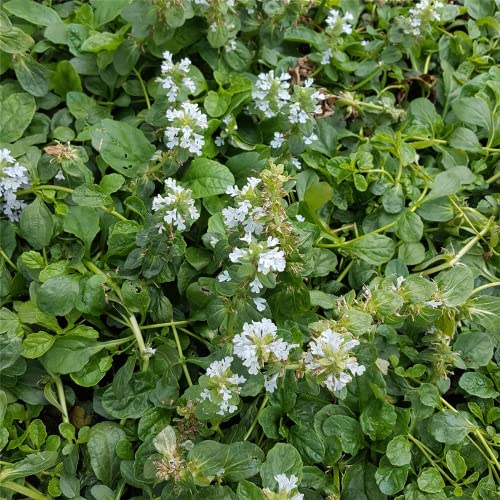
(6, 258)
(70, 191)
(256, 419)
(182, 358)
(344, 272)
(172, 323)
(429, 458)
(61, 397)
(484, 287)
(461, 253)
(493, 178)
(477, 432)
(134, 326)
(30, 492)
(143, 87)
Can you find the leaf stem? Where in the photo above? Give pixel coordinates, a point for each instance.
(136, 330)
(182, 358)
(143, 87)
(256, 419)
(6, 258)
(172, 323)
(461, 253)
(30, 492)
(61, 397)
(484, 287)
(418, 444)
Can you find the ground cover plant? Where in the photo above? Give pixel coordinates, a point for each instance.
(249, 249)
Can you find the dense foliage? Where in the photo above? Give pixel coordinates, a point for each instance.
(249, 249)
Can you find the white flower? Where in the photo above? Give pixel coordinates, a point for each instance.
(272, 259)
(231, 45)
(256, 286)
(399, 281)
(149, 351)
(186, 123)
(224, 276)
(300, 218)
(270, 383)
(329, 359)
(13, 176)
(221, 386)
(219, 141)
(258, 343)
(174, 76)
(343, 24)
(260, 304)
(296, 163)
(278, 140)
(326, 57)
(421, 15)
(287, 488)
(271, 93)
(433, 303)
(177, 206)
(309, 139)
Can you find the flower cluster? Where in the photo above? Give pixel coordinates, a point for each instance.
(265, 255)
(186, 125)
(12, 177)
(259, 343)
(174, 76)
(419, 16)
(271, 93)
(339, 24)
(176, 208)
(330, 361)
(274, 96)
(221, 386)
(287, 488)
(171, 465)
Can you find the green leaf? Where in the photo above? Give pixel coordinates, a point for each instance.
(37, 224)
(15, 41)
(347, 429)
(478, 385)
(456, 463)
(70, 354)
(475, 349)
(430, 480)
(410, 227)
(464, 139)
(243, 461)
(390, 479)
(107, 10)
(393, 200)
(449, 427)
(33, 76)
(399, 451)
(456, 285)
(58, 296)
(445, 184)
(281, 459)
(474, 111)
(478, 9)
(101, 447)
(37, 344)
(33, 12)
(375, 249)
(307, 443)
(32, 464)
(378, 419)
(17, 112)
(216, 104)
(207, 178)
(66, 79)
(317, 195)
(123, 147)
(91, 195)
(83, 222)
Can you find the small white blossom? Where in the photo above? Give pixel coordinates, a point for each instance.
(309, 139)
(272, 259)
(219, 141)
(422, 15)
(278, 140)
(260, 304)
(271, 93)
(174, 76)
(185, 128)
(433, 303)
(177, 206)
(13, 176)
(271, 383)
(221, 386)
(149, 351)
(300, 218)
(256, 286)
(296, 163)
(224, 276)
(258, 343)
(341, 24)
(326, 57)
(330, 361)
(287, 488)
